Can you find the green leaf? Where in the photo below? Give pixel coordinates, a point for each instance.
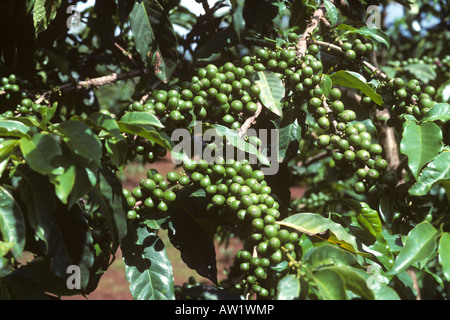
(86, 176)
(40, 151)
(420, 245)
(375, 34)
(81, 139)
(315, 225)
(369, 220)
(64, 181)
(65, 232)
(12, 224)
(439, 111)
(147, 266)
(288, 288)
(12, 128)
(331, 12)
(328, 255)
(223, 38)
(289, 137)
(146, 131)
(330, 284)
(424, 72)
(444, 254)
(238, 17)
(233, 137)
(354, 80)
(437, 171)
(443, 92)
(44, 11)
(421, 143)
(326, 84)
(144, 118)
(355, 280)
(272, 91)
(40, 201)
(107, 194)
(154, 37)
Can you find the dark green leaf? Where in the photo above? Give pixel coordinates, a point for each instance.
(40, 151)
(354, 80)
(107, 194)
(421, 143)
(147, 266)
(328, 255)
(12, 224)
(355, 280)
(81, 139)
(272, 91)
(369, 220)
(330, 284)
(14, 129)
(420, 245)
(147, 132)
(436, 172)
(331, 12)
(154, 37)
(44, 11)
(326, 84)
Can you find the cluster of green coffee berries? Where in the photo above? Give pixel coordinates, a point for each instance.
(148, 149)
(408, 98)
(355, 48)
(154, 193)
(310, 201)
(441, 66)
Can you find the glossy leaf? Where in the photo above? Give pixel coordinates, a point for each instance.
(420, 245)
(40, 151)
(444, 254)
(369, 220)
(330, 285)
(272, 91)
(12, 223)
(326, 84)
(144, 118)
(328, 255)
(147, 266)
(81, 139)
(354, 80)
(238, 18)
(315, 225)
(421, 143)
(439, 111)
(355, 280)
(154, 37)
(288, 288)
(147, 132)
(14, 128)
(437, 171)
(44, 11)
(375, 34)
(331, 12)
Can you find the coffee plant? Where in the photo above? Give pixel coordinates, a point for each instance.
(294, 93)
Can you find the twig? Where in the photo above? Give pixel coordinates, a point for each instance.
(302, 42)
(96, 82)
(249, 121)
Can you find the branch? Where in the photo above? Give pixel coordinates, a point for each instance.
(302, 42)
(247, 124)
(96, 82)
